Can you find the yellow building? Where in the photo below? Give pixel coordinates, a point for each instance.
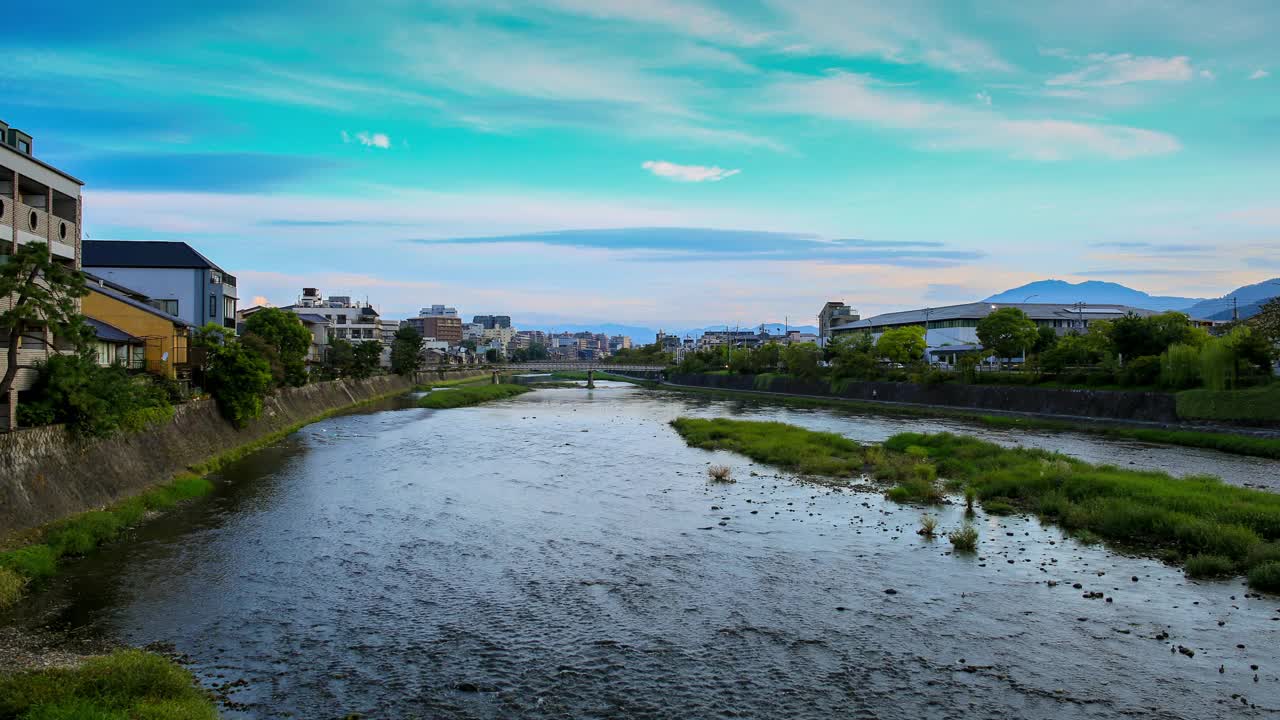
(164, 336)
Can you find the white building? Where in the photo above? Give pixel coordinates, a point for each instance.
(438, 311)
(349, 320)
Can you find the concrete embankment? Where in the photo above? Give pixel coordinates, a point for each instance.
(47, 473)
(1141, 407)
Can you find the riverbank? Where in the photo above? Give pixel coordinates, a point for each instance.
(1263, 443)
(53, 508)
(1212, 528)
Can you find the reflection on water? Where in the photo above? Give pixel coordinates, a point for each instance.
(561, 555)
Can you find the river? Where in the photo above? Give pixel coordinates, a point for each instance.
(561, 555)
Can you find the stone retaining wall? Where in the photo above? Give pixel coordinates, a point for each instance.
(1102, 404)
(46, 473)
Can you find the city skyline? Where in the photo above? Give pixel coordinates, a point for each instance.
(670, 163)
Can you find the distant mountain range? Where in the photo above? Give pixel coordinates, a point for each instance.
(1250, 297)
(1090, 291)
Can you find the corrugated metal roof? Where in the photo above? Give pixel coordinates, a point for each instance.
(979, 310)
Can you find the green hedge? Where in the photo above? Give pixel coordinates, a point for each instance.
(1251, 405)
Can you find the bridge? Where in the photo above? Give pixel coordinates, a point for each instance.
(591, 367)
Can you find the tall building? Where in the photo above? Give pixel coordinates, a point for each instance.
(38, 203)
(524, 339)
(831, 316)
(490, 322)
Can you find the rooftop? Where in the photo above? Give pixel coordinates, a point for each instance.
(128, 297)
(978, 310)
(144, 254)
(111, 333)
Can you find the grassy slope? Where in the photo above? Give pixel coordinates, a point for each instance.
(125, 685)
(1196, 519)
(470, 395)
(1225, 442)
(1260, 404)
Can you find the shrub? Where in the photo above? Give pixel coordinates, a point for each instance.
(1253, 404)
(92, 400)
(1141, 371)
(1266, 577)
(964, 539)
(32, 561)
(998, 507)
(82, 533)
(1209, 566)
(10, 587)
(720, 473)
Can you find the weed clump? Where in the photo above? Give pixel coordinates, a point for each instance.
(928, 526)
(720, 474)
(10, 587)
(1265, 577)
(964, 539)
(787, 446)
(998, 507)
(1209, 566)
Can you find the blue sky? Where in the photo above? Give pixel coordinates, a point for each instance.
(669, 162)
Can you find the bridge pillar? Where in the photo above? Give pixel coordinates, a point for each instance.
(591, 379)
(495, 377)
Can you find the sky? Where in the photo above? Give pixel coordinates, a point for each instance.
(669, 162)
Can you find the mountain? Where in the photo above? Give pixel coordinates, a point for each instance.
(1250, 298)
(1090, 291)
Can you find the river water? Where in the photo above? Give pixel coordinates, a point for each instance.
(561, 555)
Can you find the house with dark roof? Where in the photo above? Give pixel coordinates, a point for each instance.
(113, 346)
(174, 275)
(119, 312)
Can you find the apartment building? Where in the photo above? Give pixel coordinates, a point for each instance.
(438, 327)
(38, 204)
(524, 339)
(489, 322)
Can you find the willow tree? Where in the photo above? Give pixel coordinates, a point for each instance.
(42, 294)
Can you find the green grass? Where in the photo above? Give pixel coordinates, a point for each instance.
(1144, 510)
(1141, 509)
(787, 446)
(470, 395)
(11, 584)
(83, 533)
(455, 382)
(1260, 404)
(1265, 577)
(125, 685)
(1224, 442)
(1210, 566)
(600, 375)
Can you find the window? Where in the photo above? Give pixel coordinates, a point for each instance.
(169, 306)
(229, 307)
(33, 220)
(24, 146)
(213, 306)
(215, 277)
(342, 319)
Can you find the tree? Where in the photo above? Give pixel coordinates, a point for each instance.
(339, 358)
(93, 400)
(853, 357)
(1007, 332)
(285, 334)
(1046, 338)
(406, 351)
(238, 379)
(1267, 322)
(43, 294)
(1134, 337)
(902, 345)
(537, 351)
(803, 360)
(367, 359)
(469, 344)
(492, 355)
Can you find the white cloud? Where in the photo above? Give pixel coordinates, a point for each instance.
(1207, 74)
(368, 139)
(984, 97)
(896, 32)
(1107, 70)
(1259, 74)
(949, 127)
(688, 173)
